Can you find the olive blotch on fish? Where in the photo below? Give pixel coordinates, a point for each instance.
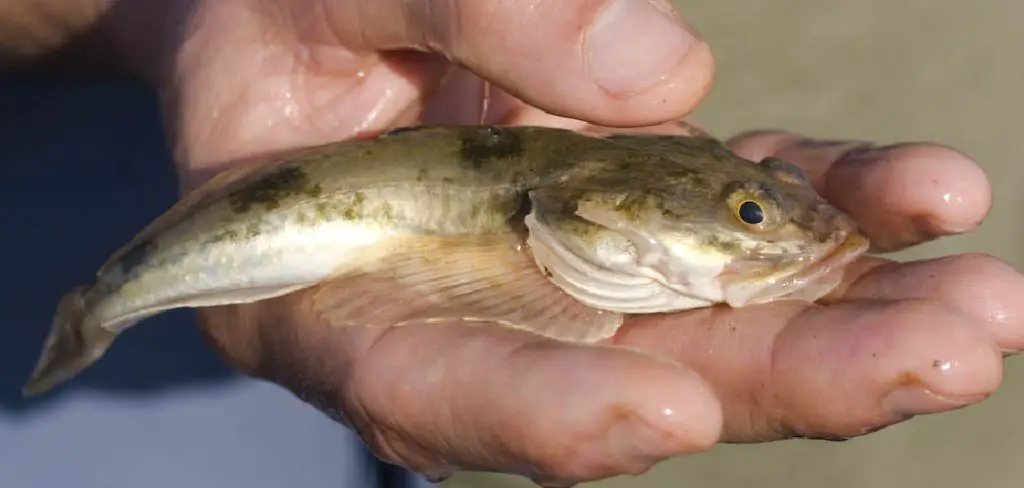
(481, 146)
(270, 190)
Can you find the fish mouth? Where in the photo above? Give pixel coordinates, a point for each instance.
(822, 274)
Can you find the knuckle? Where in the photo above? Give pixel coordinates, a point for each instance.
(438, 23)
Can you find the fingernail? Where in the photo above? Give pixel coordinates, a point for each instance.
(635, 441)
(935, 226)
(438, 475)
(635, 44)
(920, 401)
(554, 482)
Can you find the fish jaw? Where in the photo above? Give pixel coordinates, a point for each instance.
(807, 284)
(662, 276)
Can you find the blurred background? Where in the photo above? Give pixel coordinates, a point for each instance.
(887, 71)
(80, 173)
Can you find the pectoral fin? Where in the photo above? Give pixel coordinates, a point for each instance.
(489, 279)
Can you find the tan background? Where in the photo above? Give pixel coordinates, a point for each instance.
(885, 70)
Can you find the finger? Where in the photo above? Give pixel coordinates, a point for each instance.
(464, 98)
(832, 372)
(503, 109)
(567, 412)
(441, 398)
(902, 195)
(613, 62)
(979, 286)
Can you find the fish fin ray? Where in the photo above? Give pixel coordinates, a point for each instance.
(73, 343)
(479, 279)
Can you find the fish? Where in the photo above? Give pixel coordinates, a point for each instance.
(550, 231)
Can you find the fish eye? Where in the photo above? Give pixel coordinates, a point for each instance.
(754, 205)
(750, 213)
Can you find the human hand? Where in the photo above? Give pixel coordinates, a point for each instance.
(250, 77)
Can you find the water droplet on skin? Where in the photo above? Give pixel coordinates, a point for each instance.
(999, 316)
(943, 366)
(952, 199)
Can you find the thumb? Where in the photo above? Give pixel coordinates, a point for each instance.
(609, 62)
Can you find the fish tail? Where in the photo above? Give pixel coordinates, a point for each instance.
(73, 344)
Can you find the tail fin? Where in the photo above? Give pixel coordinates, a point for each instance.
(73, 344)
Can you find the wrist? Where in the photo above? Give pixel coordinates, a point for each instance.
(102, 36)
(51, 33)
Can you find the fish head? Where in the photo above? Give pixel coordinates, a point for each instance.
(711, 230)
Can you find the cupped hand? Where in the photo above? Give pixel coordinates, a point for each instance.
(895, 340)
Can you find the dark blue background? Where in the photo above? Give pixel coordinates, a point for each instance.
(83, 167)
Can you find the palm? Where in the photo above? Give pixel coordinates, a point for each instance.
(895, 340)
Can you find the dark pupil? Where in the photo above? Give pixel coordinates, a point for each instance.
(751, 213)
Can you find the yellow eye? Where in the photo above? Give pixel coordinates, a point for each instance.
(750, 212)
(753, 205)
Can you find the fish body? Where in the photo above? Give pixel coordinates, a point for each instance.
(540, 229)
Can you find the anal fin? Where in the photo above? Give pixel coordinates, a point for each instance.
(468, 279)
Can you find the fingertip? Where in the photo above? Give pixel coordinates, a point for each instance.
(486, 397)
(910, 193)
(580, 98)
(623, 62)
(926, 190)
(696, 421)
(946, 188)
(950, 354)
(640, 409)
(676, 95)
(785, 369)
(618, 63)
(863, 353)
(684, 406)
(979, 285)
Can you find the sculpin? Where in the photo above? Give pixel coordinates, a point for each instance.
(539, 229)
